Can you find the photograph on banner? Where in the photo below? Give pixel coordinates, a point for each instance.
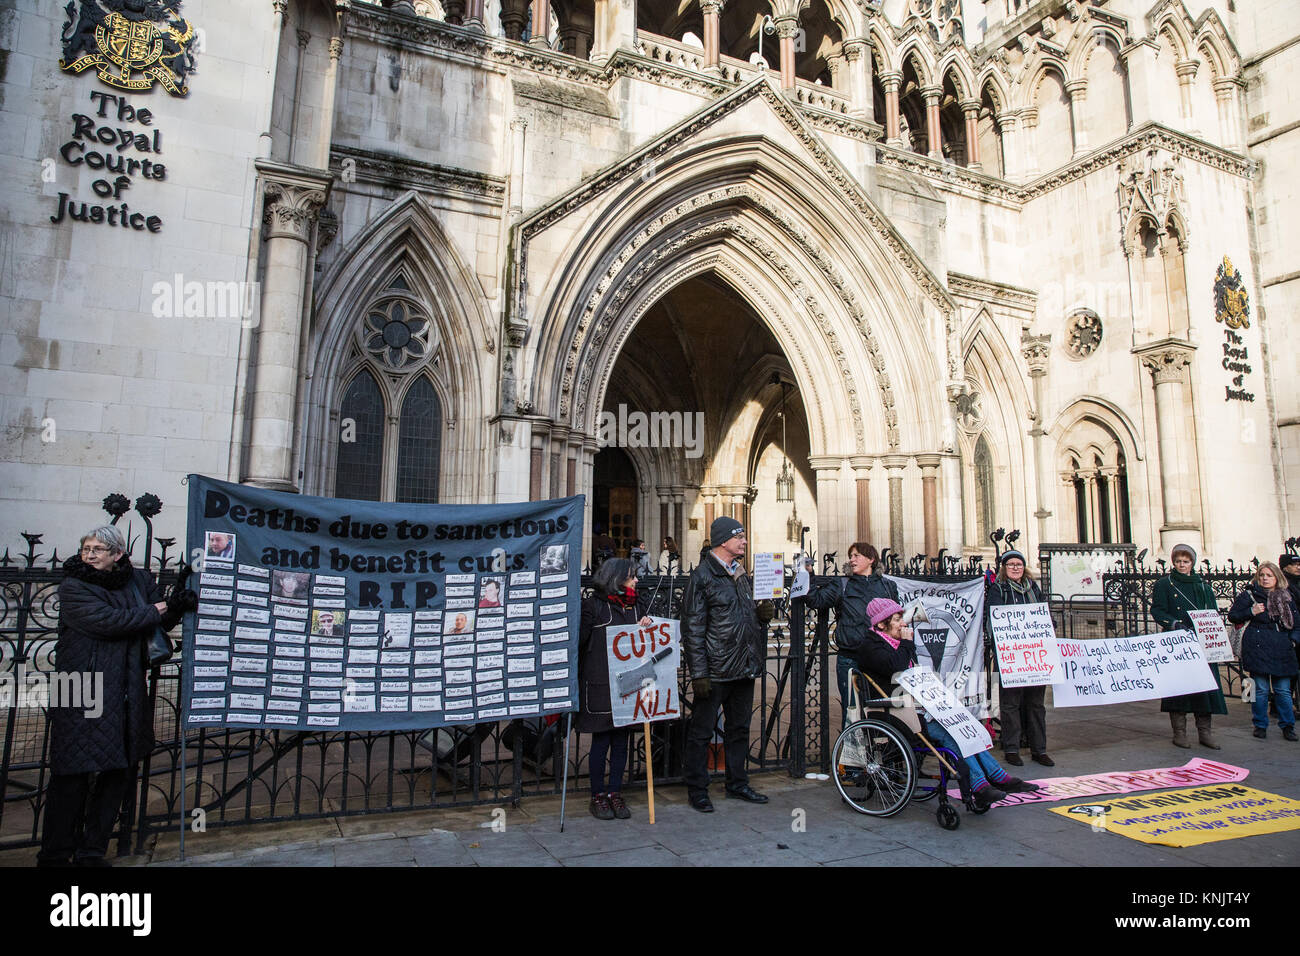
(363, 615)
(769, 576)
(1025, 641)
(1191, 816)
(1118, 670)
(925, 687)
(1213, 635)
(1198, 770)
(643, 664)
(953, 638)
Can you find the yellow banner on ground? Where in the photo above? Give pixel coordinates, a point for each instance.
(1192, 816)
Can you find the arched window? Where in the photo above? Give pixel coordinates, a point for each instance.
(390, 416)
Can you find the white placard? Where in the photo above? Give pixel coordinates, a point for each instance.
(1213, 635)
(769, 576)
(1143, 667)
(925, 687)
(1026, 644)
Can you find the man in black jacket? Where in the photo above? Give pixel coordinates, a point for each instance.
(724, 638)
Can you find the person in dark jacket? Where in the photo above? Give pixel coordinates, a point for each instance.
(1290, 565)
(1180, 591)
(1019, 708)
(108, 611)
(850, 596)
(613, 604)
(887, 648)
(1268, 645)
(724, 639)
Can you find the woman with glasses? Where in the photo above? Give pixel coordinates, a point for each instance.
(1021, 710)
(1267, 647)
(108, 611)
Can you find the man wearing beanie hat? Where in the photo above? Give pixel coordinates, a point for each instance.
(724, 640)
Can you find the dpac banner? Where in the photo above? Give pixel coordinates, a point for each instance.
(322, 613)
(954, 636)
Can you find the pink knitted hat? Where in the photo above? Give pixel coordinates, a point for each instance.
(882, 609)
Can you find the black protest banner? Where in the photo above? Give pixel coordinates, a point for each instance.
(320, 613)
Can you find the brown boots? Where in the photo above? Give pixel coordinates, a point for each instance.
(1178, 721)
(1203, 731)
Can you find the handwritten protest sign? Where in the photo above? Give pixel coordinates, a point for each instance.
(643, 664)
(1026, 644)
(928, 690)
(769, 576)
(1052, 789)
(1213, 635)
(1118, 670)
(1190, 817)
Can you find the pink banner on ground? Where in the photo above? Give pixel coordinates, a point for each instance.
(1195, 771)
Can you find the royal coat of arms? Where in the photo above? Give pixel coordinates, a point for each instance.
(132, 43)
(1231, 304)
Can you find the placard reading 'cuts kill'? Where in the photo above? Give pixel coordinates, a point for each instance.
(359, 615)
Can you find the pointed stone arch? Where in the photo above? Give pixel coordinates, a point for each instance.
(408, 240)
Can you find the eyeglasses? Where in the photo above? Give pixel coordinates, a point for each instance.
(91, 549)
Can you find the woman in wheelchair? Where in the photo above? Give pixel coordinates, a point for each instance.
(887, 649)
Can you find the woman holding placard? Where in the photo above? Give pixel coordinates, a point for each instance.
(1178, 592)
(613, 604)
(1020, 706)
(1272, 630)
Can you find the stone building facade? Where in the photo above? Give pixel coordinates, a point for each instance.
(949, 265)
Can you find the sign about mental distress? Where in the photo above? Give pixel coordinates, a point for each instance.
(953, 638)
(319, 613)
(1213, 635)
(928, 691)
(769, 576)
(1118, 670)
(1026, 644)
(643, 664)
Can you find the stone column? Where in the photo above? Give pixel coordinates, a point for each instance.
(709, 494)
(1072, 510)
(1141, 63)
(931, 96)
(839, 75)
(1036, 350)
(895, 464)
(862, 465)
(474, 16)
(293, 197)
(857, 58)
(971, 111)
(1186, 72)
(1077, 90)
(1166, 361)
(587, 468)
(679, 519)
(1094, 508)
(1111, 477)
(540, 24)
(787, 28)
(1008, 130)
(325, 131)
(615, 28)
(1029, 141)
(929, 465)
(891, 82)
(1226, 96)
(712, 10)
(513, 15)
(832, 533)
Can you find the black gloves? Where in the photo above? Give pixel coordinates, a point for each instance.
(182, 602)
(766, 611)
(703, 687)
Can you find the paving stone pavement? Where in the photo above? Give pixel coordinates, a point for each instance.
(804, 824)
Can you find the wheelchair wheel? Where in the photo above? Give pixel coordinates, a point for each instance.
(875, 770)
(948, 816)
(927, 777)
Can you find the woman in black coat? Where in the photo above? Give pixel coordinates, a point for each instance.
(1019, 707)
(613, 604)
(1268, 646)
(108, 610)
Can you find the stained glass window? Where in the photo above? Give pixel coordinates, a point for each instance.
(419, 444)
(359, 473)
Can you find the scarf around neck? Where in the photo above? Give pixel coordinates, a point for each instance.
(892, 642)
(625, 598)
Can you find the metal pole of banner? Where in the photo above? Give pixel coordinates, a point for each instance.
(564, 792)
(181, 735)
